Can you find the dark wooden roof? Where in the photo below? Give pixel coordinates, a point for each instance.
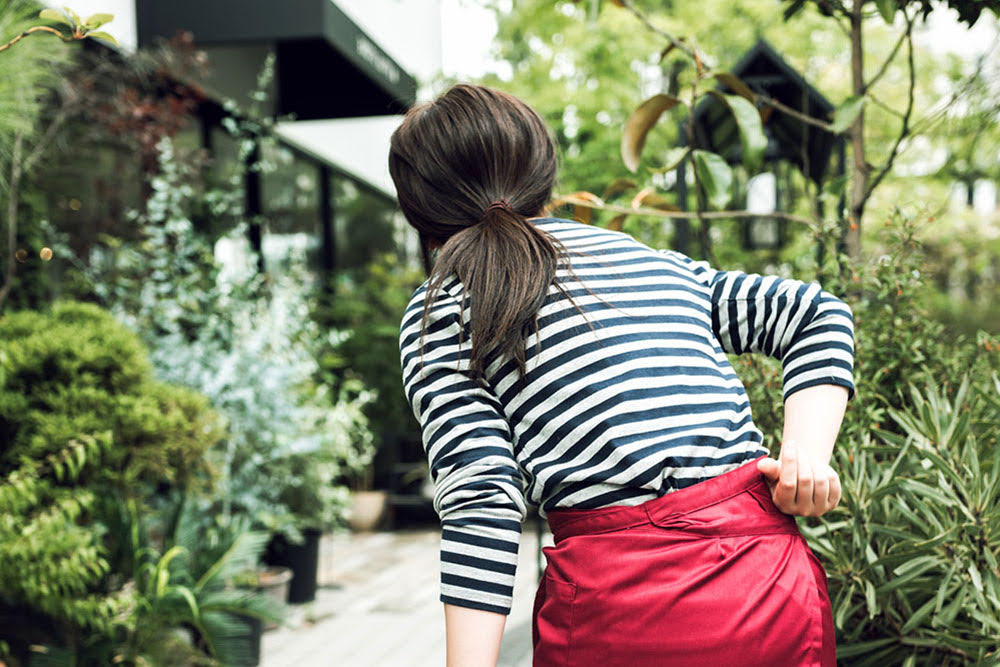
(766, 72)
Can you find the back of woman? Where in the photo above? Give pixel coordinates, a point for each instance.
(574, 369)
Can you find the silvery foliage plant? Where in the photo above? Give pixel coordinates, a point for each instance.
(245, 340)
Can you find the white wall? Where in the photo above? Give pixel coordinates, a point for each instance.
(123, 28)
(410, 32)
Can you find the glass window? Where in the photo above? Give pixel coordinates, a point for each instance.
(365, 223)
(290, 201)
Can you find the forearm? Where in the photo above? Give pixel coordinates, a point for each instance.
(472, 636)
(812, 420)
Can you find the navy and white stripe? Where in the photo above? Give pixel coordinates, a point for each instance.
(637, 403)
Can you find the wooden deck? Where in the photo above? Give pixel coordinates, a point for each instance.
(378, 605)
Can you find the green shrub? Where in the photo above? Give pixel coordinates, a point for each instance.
(911, 552)
(84, 429)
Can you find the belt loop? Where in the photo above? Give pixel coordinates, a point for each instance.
(645, 507)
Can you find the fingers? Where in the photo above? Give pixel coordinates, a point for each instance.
(821, 488)
(798, 485)
(788, 480)
(804, 493)
(835, 491)
(770, 468)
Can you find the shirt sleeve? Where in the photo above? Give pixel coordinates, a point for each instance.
(478, 491)
(808, 329)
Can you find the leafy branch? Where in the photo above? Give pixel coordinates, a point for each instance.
(590, 201)
(79, 29)
(21, 164)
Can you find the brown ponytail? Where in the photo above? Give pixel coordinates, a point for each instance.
(469, 169)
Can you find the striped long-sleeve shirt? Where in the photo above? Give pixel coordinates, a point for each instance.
(639, 403)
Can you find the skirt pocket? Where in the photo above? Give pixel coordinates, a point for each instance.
(552, 625)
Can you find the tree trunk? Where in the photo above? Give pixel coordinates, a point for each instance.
(859, 178)
(13, 194)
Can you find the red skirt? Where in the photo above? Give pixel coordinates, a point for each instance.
(713, 574)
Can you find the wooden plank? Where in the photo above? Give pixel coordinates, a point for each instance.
(378, 605)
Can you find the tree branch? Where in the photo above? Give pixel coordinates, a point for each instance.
(676, 43)
(37, 28)
(783, 108)
(685, 215)
(904, 131)
(885, 107)
(12, 199)
(892, 56)
(42, 144)
(706, 71)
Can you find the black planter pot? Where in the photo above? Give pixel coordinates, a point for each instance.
(250, 639)
(303, 559)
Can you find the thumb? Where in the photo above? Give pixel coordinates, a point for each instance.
(770, 468)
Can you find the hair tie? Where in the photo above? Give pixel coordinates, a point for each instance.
(501, 204)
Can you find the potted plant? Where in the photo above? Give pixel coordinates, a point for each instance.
(334, 441)
(201, 596)
(369, 507)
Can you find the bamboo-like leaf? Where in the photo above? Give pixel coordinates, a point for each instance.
(846, 113)
(638, 125)
(918, 616)
(944, 588)
(871, 600)
(908, 572)
(162, 573)
(715, 176)
(861, 648)
(977, 579)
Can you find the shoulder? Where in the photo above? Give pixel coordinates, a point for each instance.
(446, 305)
(572, 231)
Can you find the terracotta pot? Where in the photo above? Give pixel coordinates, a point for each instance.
(274, 581)
(368, 510)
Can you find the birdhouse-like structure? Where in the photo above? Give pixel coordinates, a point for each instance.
(792, 143)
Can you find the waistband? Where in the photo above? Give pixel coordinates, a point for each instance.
(666, 510)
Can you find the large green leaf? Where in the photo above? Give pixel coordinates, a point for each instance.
(55, 15)
(735, 84)
(715, 176)
(638, 125)
(846, 113)
(672, 159)
(103, 36)
(887, 8)
(95, 21)
(752, 137)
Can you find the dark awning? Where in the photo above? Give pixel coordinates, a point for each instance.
(327, 67)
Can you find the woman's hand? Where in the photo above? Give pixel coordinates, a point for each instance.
(799, 485)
